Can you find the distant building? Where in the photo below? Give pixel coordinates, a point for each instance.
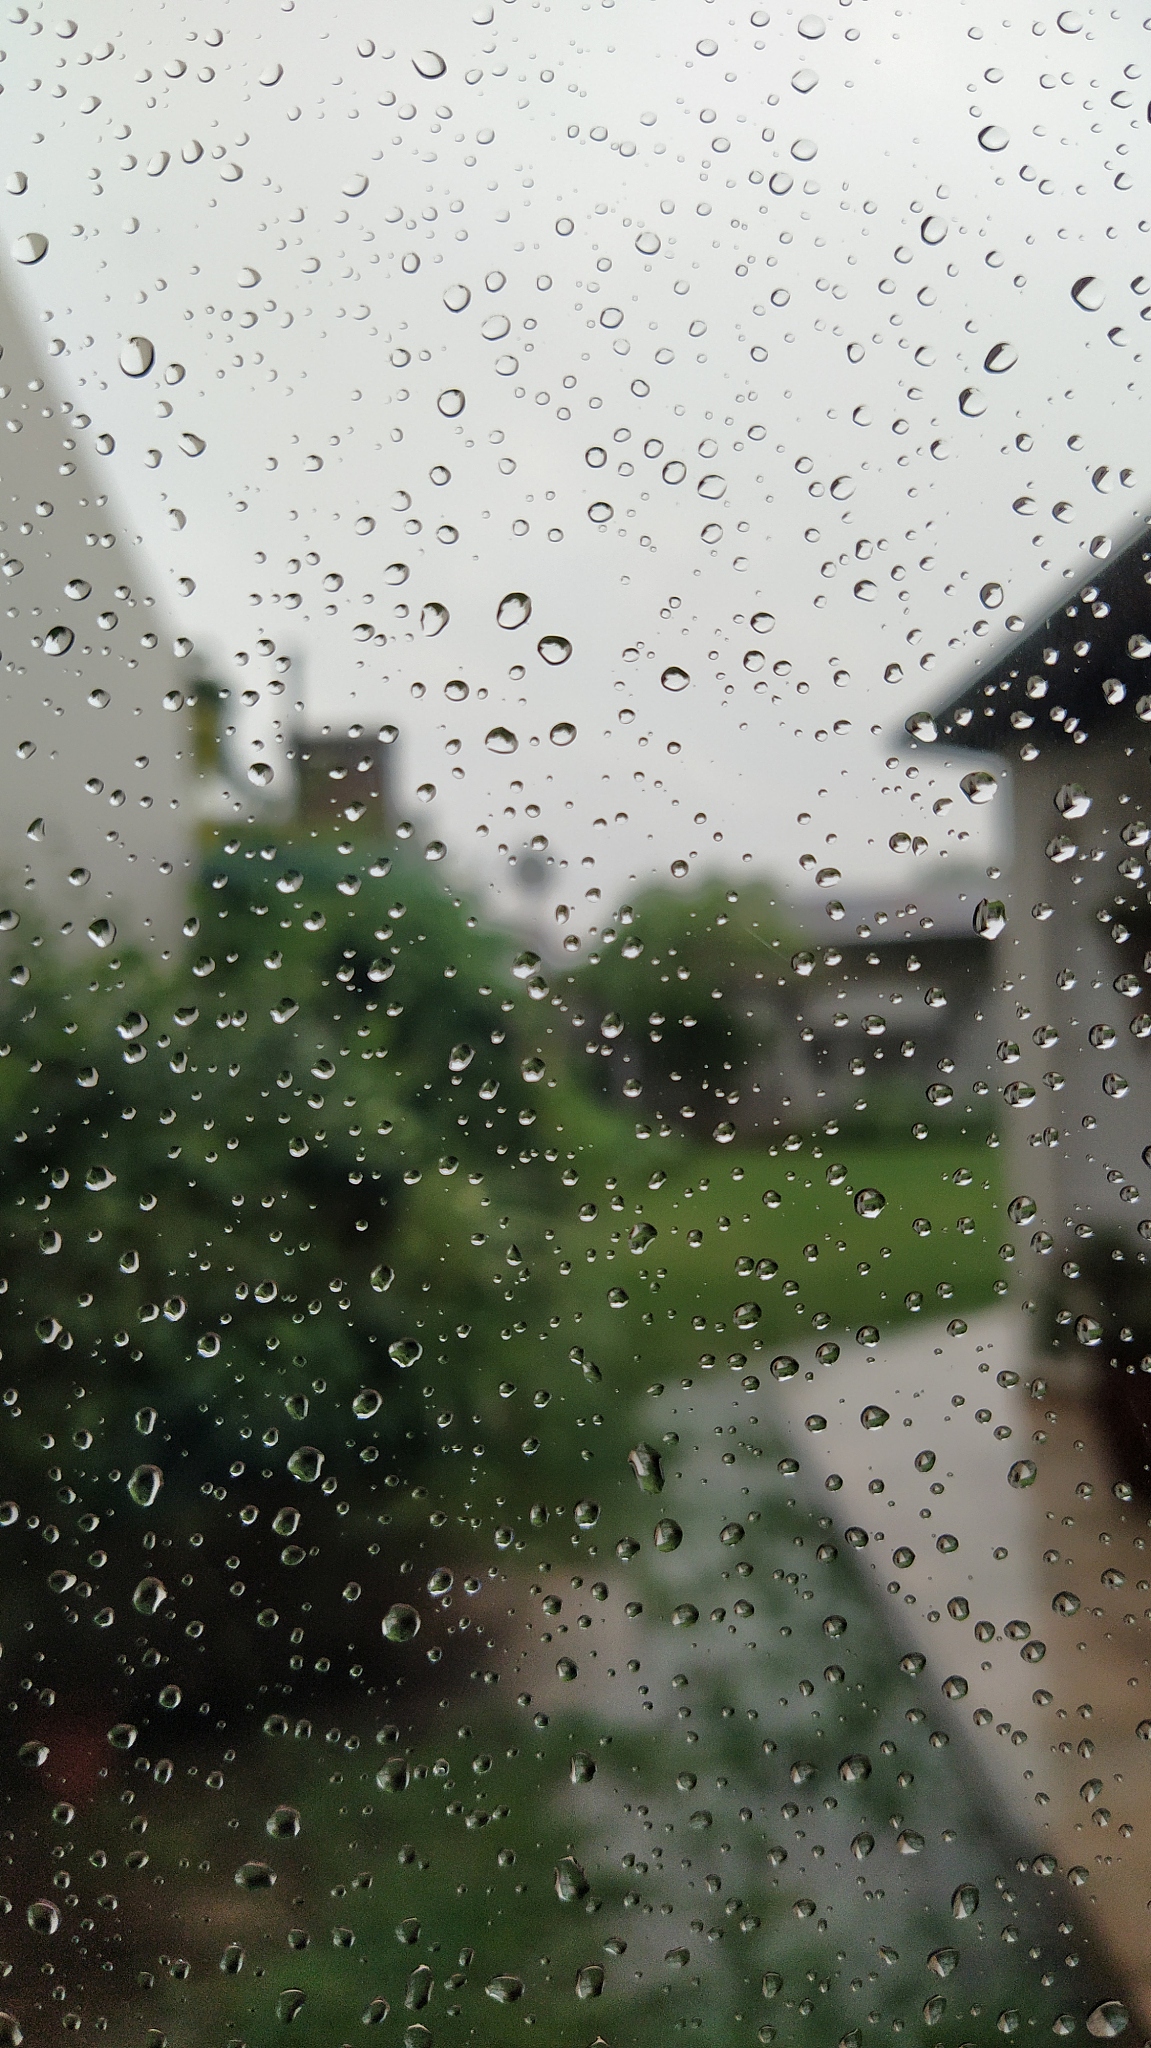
(1069, 707)
(93, 767)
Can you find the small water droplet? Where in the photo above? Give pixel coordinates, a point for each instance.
(979, 787)
(306, 1463)
(429, 64)
(145, 1484)
(675, 678)
(993, 139)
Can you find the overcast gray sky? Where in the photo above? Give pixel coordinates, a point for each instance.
(754, 262)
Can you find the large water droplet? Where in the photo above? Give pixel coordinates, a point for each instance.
(1023, 1473)
(933, 230)
(979, 787)
(29, 248)
(921, 726)
(1088, 293)
(562, 735)
(43, 1916)
(451, 402)
(137, 356)
(513, 610)
(255, 1877)
(675, 678)
(306, 1463)
(1000, 358)
(145, 1484)
(1108, 2020)
(870, 1203)
(990, 918)
(501, 741)
(993, 139)
(667, 1535)
(400, 1623)
(554, 649)
(1071, 800)
(429, 64)
(570, 1881)
(647, 1466)
(283, 1822)
(149, 1596)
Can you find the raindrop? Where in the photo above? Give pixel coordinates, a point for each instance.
(972, 403)
(989, 919)
(43, 1916)
(1108, 2020)
(675, 678)
(1088, 293)
(429, 64)
(400, 1623)
(255, 1877)
(711, 486)
(562, 735)
(870, 1203)
(144, 1485)
(1000, 358)
(645, 1463)
(921, 726)
(149, 1596)
(1071, 801)
(283, 1822)
(1023, 1473)
(457, 298)
(993, 139)
(137, 356)
(58, 640)
(513, 610)
(570, 1881)
(554, 649)
(451, 403)
(933, 230)
(29, 248)
(979, 787)
(306, 1463)
(261, 773)
(991, 596)
(505, 1990)
(500, 741)
(667, 1535)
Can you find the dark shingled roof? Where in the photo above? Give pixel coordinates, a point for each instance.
(1080, 671)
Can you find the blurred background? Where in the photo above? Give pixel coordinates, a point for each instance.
(574, 1297)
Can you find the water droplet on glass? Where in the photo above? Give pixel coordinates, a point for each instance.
(505, 1990)
(667, 1535)
(570, 1881)
(562, 735)
(979, 787)
(255, 1877)
(554, 649)
(1071, 800)
(1088, 293)
(873, 1417)
(1108, 2020)
(972, 403)
(429, 64)
(933, 230)
(993, 139)
(283, 1822)
(145, 1484)
(646, 1464)
(137, 356)
(870, 1203)
(921, 726)
(1024, 1472)
(149, 1596)
(675, 678)
(58, 640)
(306, 1463)
(451, 403)
(400, 1623)
(989, 918)
(500, 741)
(29, 248)
(43, 1916)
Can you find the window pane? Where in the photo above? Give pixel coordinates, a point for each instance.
(573, 1041)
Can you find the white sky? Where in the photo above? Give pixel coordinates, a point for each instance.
(315, 388)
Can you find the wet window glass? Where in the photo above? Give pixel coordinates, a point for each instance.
(575, 1020)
